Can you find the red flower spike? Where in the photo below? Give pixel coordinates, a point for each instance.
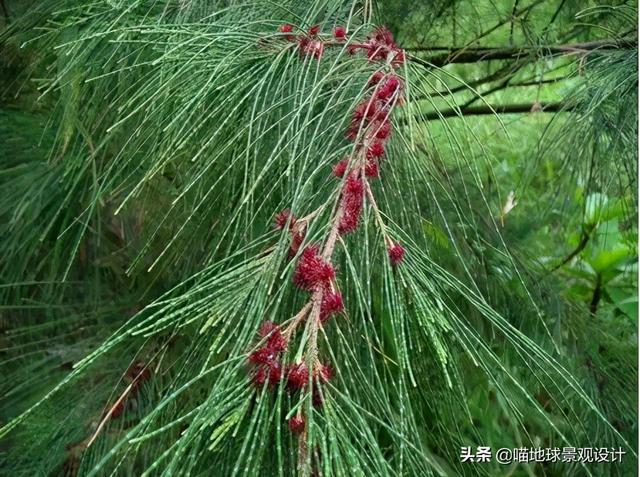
(340, 33)
(331, 304)
(262, 356)
(375, 150)
(380, 44)
(353, 185)
(388, 89)
(284, 217)
(276, 342)
(298, 376)
(303, 44)
(312, 270)
(296, 424)
(314, 30)
(384, 36)
(275, 373)
(340, 168)
(352, 200)
(371, 169)
(396, 254)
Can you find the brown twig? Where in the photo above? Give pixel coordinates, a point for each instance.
(474, 55)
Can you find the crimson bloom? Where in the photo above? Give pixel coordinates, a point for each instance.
(396, 253)
(296, 424)
(312, 270)
(331, 304)
(340, 168)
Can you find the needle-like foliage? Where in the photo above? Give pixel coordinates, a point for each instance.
(145, 286)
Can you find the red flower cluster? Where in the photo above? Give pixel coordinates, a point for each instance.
(311, 44)
(287, 28)
(313, 271)
(283, 217)
(351, 202)
(296, 424)
(309, 47)
(396, 253)
(380, 46)
(340, 167)
(332, 304)
(298, 378)
(298, 375)
(266, 360)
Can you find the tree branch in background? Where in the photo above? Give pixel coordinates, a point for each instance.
(473, 55)
(515, 108)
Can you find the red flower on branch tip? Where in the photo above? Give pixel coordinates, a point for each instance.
(271, 374)
(312, 270)
(396, 254)
(340, 33)
(267, 327)
(296, 424)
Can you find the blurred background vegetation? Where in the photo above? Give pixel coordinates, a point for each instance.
(541, 95)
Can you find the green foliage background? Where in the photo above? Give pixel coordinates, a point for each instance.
(145, 147)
